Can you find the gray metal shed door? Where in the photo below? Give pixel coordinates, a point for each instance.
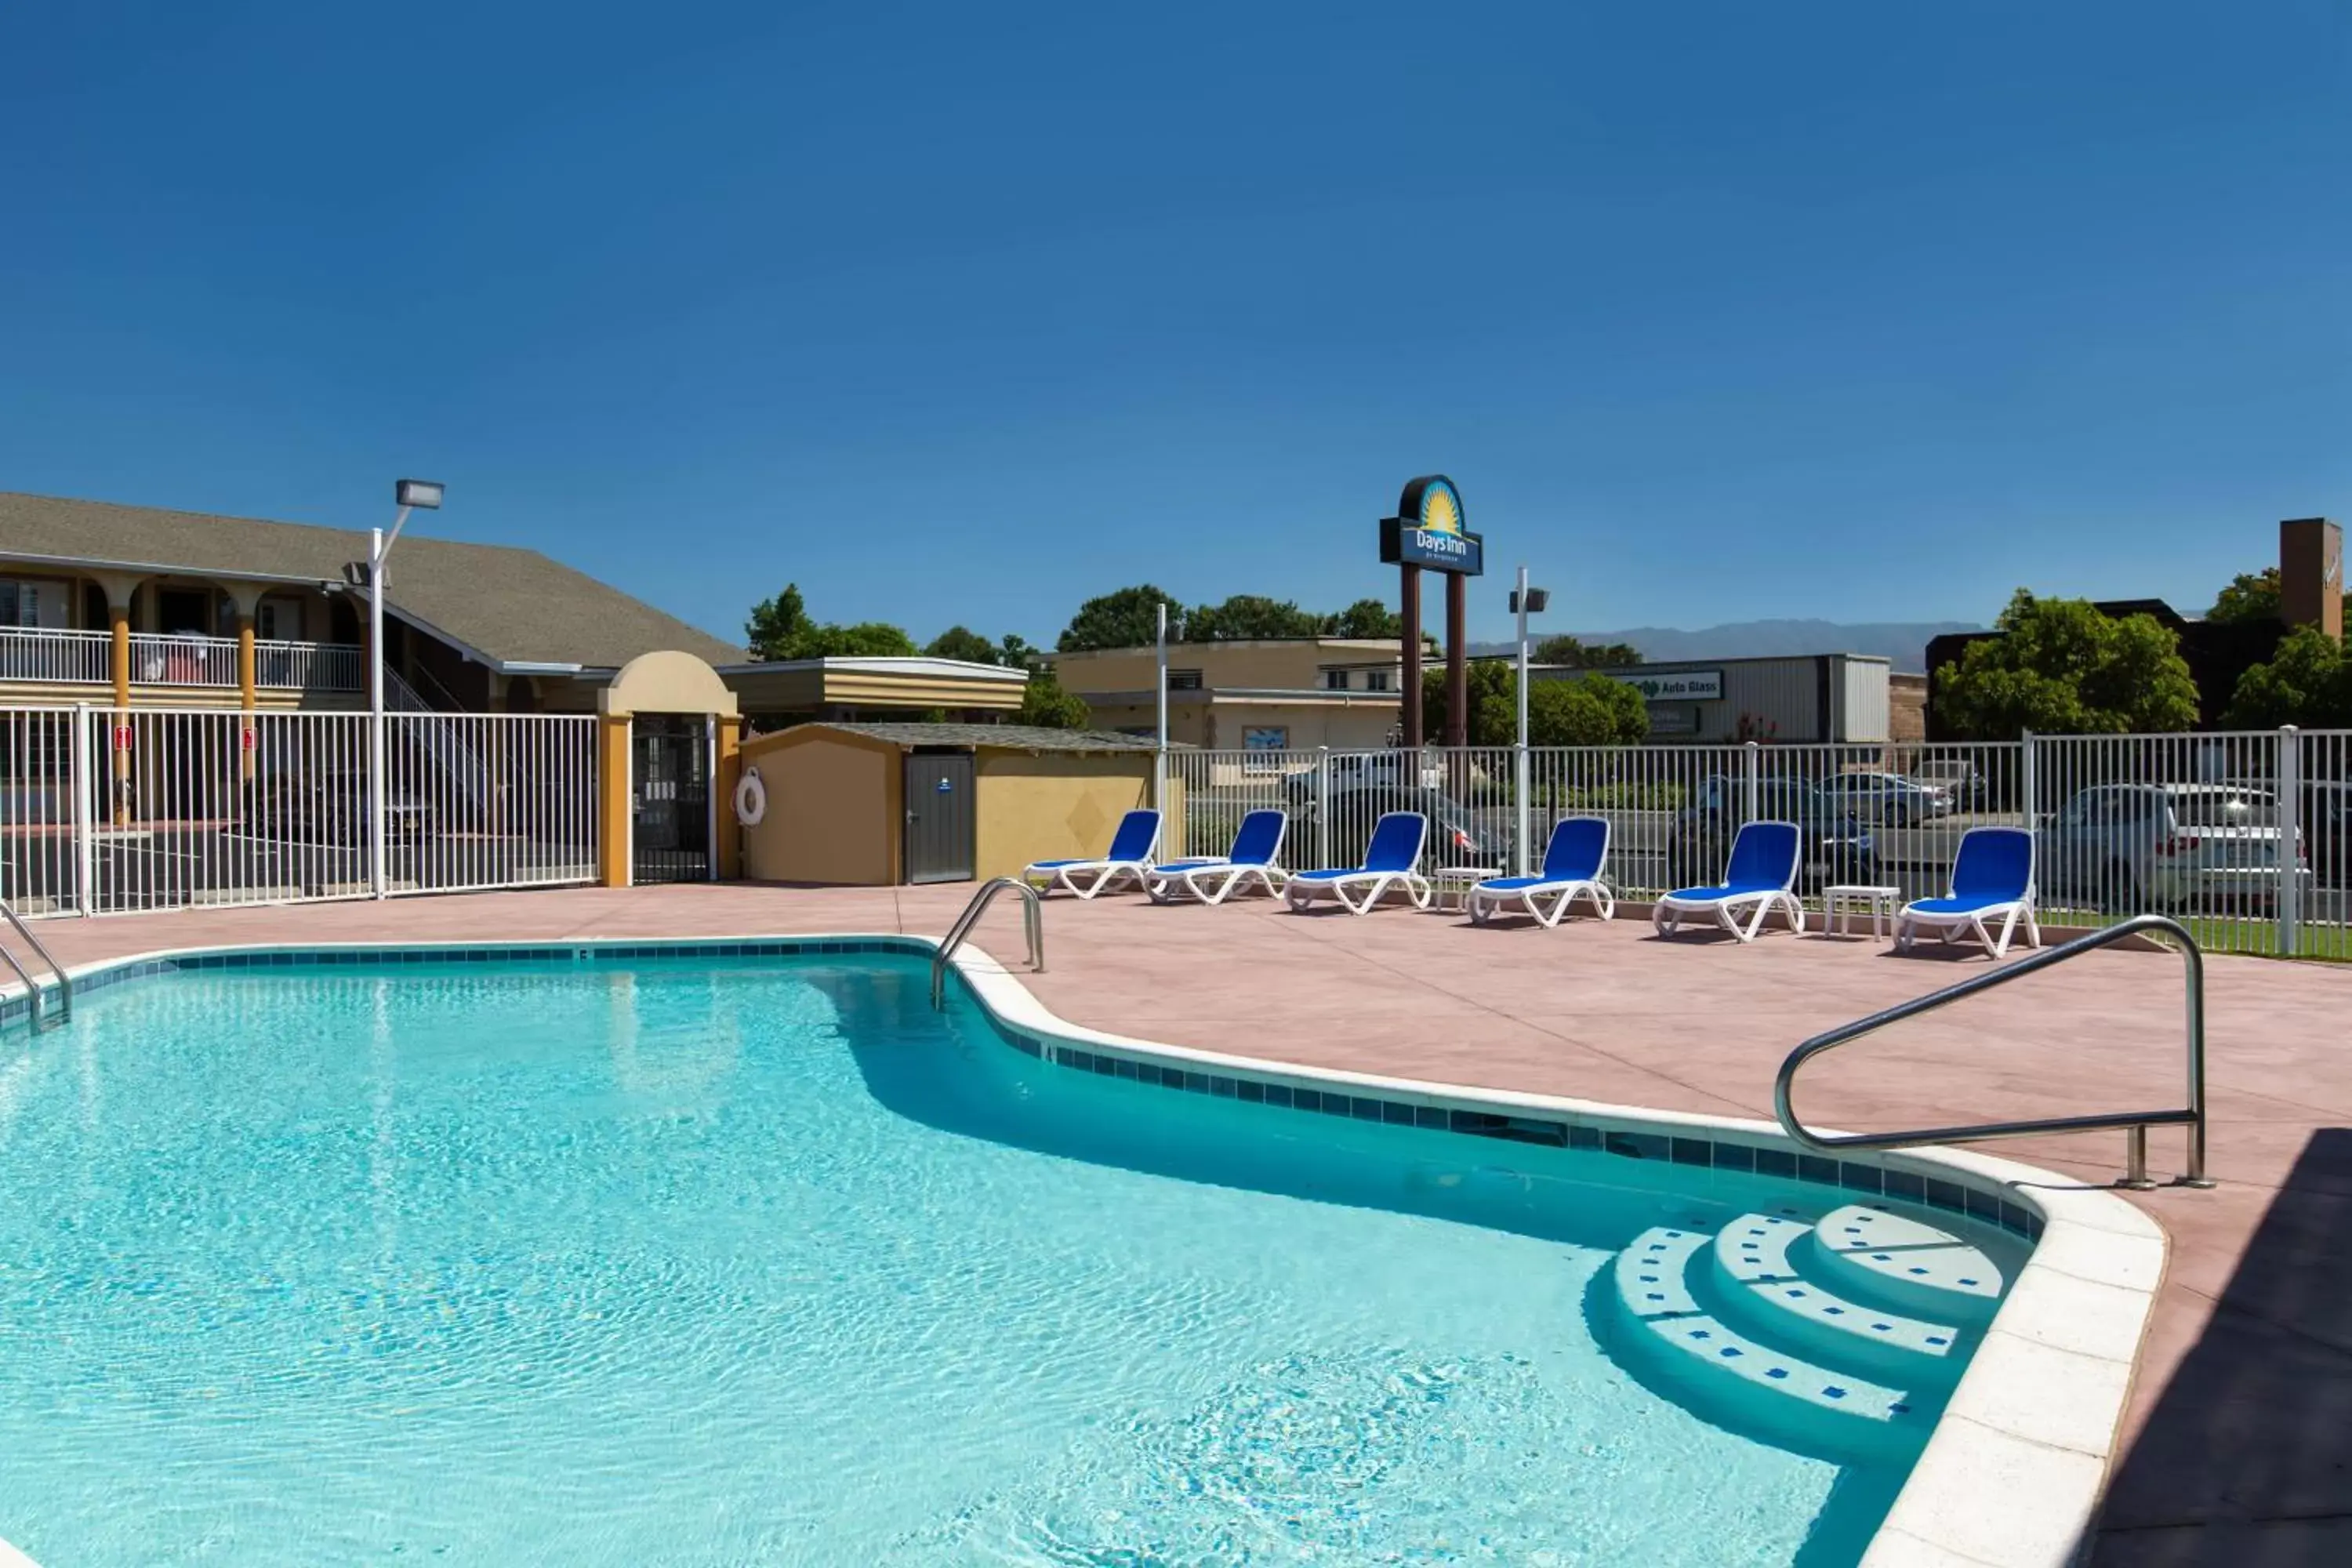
(940, 817)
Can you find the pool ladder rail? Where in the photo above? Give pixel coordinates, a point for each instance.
(1033, 923)
(32, 988)
(2190, 1116)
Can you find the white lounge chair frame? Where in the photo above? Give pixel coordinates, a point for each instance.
(1212, 881)
(1485, 902)
(1104, 874)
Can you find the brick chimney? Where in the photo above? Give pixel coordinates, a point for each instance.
(2311, 574)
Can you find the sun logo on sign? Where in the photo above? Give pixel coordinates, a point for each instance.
(1440, 513)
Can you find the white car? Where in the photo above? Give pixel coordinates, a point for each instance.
(2128, 847)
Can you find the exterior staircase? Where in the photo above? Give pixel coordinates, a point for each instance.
(1842, 1333)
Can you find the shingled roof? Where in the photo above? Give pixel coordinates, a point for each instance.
(513, 605)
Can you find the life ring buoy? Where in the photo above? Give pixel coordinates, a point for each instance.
(751, 799)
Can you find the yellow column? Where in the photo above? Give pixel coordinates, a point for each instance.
(616, 796)
(246, 687)
(723, 779)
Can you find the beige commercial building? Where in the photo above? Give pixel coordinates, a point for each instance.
(1267, 694)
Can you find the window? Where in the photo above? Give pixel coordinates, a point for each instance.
(1376, 680)
(1183, 680)
(2226, 808)
(1267, 738)
(20, 603)
(1335, 680)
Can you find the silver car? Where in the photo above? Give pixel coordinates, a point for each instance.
(1888, 797)
(2193, 846)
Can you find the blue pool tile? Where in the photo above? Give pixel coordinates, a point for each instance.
(1429, 1116)
(1691, 1152)
(1907, 1185)
(1224, 1088)
(1948, 1195)
(1636, 1146)
(1279, 1094)
(1396, 1112)
(1251, 1091)
(1195, 1082)
(1582, 1137)
(1307, 1099)
(1734, 1157)
(1124, 1067)
(1361, 1109)
(1817, 1168)
(1857, 1177)
(1985, 1206)
(1777, 1162)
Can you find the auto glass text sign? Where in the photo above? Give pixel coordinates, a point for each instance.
(1682, 685)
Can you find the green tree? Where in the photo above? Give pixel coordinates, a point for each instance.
(2307, 682)
(1244, 617)
(1588, 710)
(1016, 652)
(780, 628)
(865, 639)
(1365, 618)
(1577, 654)
(2250, 597)
(963, 643)
(2061, 666)
(1044, 704)
(1128, 618)
(777, 624)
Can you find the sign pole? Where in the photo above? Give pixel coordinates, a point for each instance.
(1457, 659)
(1519, 770)
(1159, 761)
(1410, 607)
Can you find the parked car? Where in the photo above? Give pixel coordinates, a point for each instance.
(1962, 782)
(1368, 770)
(1837, 847)
(2328, 833)
(1888, 797)
(1456, 837)
(2128, 847)
(329, 809)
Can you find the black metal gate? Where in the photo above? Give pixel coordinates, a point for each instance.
(939, 816)
(670, 793)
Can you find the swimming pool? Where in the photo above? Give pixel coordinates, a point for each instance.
(718, 1259)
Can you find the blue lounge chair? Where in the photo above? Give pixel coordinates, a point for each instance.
(1130, 856)
(1761, 876)
(1389, 862)
(1213, 879)
(1571, 870)
(1992, 878)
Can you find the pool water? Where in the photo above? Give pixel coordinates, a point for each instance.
(716, 1262)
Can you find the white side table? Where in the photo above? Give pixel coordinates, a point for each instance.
(1456, 882)
(1839, 904)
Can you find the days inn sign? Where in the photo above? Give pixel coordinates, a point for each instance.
(1430, 530)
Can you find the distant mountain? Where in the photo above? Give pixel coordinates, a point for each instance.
(1902, 642)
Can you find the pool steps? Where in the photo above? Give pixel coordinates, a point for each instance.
(1852, 1324)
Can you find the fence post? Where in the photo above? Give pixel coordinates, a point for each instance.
(1322, 805)
(1754, 766)
(1519, 787)
(2028, 783)
(85, 849)
(2289, 773)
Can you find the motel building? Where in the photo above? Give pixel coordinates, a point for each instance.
(169, 638)
(1260, 694)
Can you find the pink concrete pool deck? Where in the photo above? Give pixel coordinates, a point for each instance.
(2238, 1442)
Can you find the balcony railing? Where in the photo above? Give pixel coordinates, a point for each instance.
(176, 659)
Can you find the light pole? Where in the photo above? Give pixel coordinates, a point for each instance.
(1525, 602)
(408, 495)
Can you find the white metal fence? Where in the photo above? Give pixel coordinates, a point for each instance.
(111, 813)
(2248, 837)
(178, 658)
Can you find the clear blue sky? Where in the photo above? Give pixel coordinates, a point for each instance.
(1864, 310)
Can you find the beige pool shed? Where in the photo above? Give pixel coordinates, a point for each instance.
(882, 805)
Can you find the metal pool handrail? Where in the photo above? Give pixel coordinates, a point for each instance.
(2191, 1116)
(32, 991)
(1033, 921)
